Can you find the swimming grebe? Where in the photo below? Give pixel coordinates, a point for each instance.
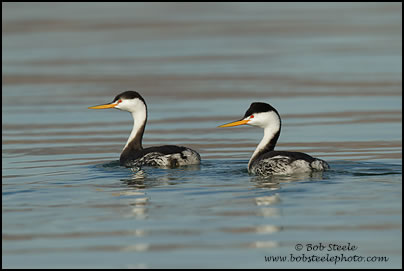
(265, 161)
(133, 154)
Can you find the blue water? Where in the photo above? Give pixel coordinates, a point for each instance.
(210, 215)
(333, 71)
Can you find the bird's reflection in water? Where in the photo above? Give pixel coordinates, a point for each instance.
(153, 177)
(274, 182)
(142, 179)
(137, 179)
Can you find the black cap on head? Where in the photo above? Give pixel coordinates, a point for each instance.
(259, 108)
(130, 94)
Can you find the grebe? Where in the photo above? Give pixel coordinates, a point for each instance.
(265, 161)
(133, 154)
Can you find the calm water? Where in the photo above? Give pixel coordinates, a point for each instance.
(333, 71)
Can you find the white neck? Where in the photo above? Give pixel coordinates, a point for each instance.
(266, 143)
(139, 119)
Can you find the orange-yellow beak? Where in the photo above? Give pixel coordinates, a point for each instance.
(235, 123)
(103, 106)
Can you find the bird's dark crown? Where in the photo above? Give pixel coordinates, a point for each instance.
(259, 107)
(128, 95)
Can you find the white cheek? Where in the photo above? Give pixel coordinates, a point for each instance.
(264, 120)
(131, 106)
(252, 121)
(256, 121)
(121, 106)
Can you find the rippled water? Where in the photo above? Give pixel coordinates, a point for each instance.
(333, 71)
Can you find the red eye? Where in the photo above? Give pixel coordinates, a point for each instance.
(119, 101)
(252, 116)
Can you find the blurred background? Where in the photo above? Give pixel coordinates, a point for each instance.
(332, 70)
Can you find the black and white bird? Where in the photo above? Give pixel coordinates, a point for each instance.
(265, 161)
(133, 154)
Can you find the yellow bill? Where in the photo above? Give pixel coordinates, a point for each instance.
(235, 123)
(103, 106)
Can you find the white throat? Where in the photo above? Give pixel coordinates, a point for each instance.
(139, 115)
(270, 131)
(138, 123)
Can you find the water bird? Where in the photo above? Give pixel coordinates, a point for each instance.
(133, 154)
(265, 161)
